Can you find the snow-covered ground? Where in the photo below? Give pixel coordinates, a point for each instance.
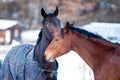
(71, 66)
(30, 36)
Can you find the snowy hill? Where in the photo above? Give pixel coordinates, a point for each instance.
(109, 31)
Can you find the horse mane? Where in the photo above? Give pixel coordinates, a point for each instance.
(39, 36)
(85, 32)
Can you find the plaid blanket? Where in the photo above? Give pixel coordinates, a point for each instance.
(20, 65)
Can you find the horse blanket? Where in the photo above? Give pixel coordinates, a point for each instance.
(20, 65)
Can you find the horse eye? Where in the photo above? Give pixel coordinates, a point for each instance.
(56, 39)
(47, 22)
(51, 32)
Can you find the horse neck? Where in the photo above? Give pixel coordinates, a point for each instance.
(92, 50)
(40, 49)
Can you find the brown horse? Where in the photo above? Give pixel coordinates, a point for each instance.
(101, 55)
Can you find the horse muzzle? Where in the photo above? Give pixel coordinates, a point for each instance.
(49, 58)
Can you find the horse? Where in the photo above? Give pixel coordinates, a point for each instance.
(27, 61)
(102, 56)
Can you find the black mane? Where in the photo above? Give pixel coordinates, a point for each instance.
(87, 33)
(39, 36)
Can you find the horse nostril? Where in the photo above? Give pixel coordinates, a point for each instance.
(44, 55)
(49, 58)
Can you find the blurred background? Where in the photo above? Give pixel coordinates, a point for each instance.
(21, 18)
(80, 11)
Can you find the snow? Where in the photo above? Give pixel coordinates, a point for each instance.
(104, 24)
(5, 48)
(109, 31)
(5, 24)
(71, 66)
(30, 36)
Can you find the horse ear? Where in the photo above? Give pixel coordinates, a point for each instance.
(43, 13)
(56, 11)
(66, 28)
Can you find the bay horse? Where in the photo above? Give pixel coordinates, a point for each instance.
(102, 56)
(26, 61)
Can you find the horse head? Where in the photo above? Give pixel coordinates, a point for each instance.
(51, 24)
